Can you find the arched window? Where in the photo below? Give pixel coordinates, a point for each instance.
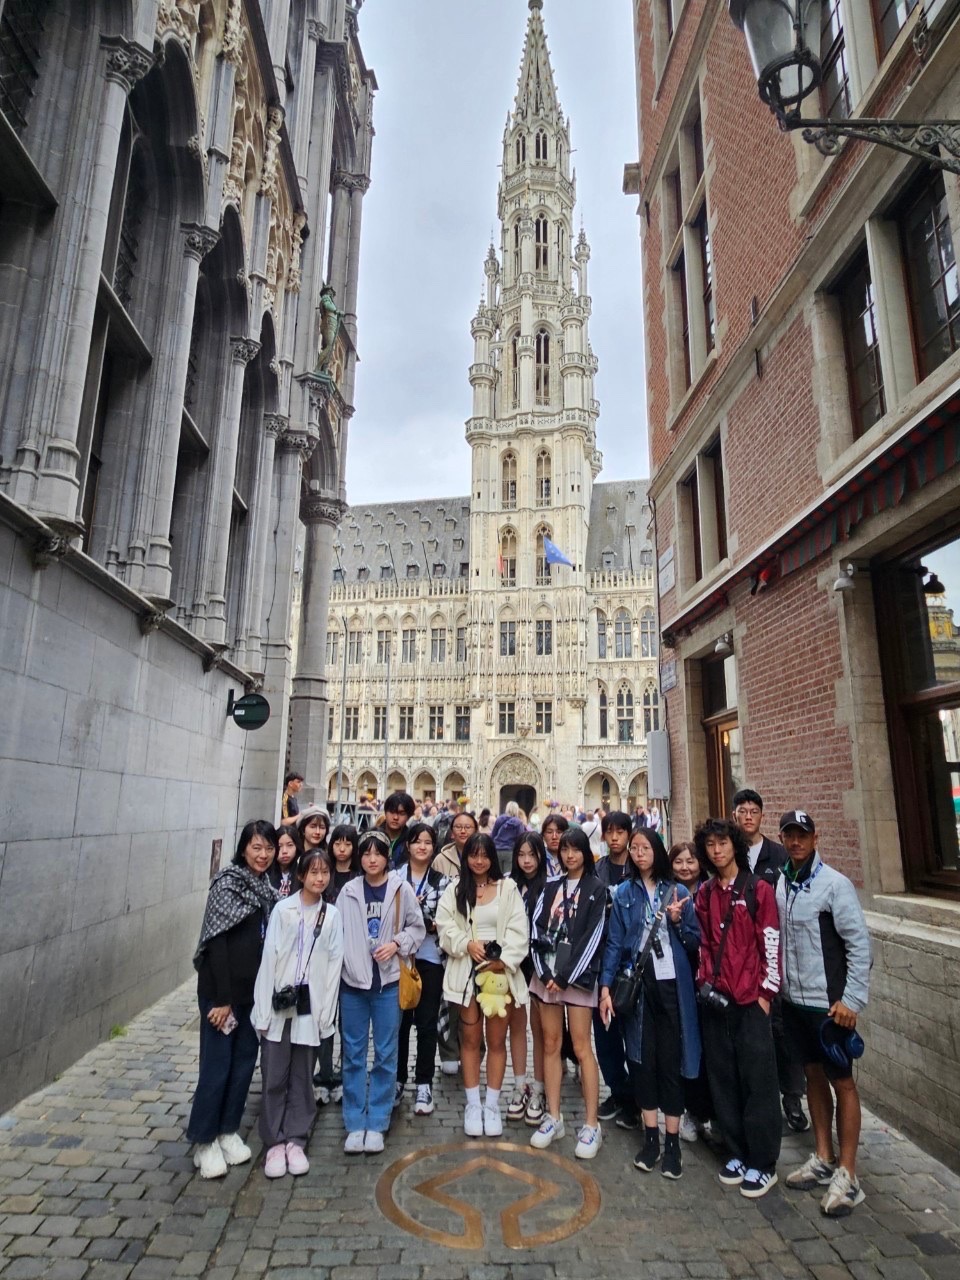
(603, 714)
(544, 478)
(516, 249)
(508, 558)
(541, 145)
(651, 710)
(543, 569)
(561, 244)
(648, 634)
(624, 714)
(521, 148)
(623, 634)
(515, 372)
(542, 367)
(508, 482)
(601, 635)
(540, 260)
(559, 154)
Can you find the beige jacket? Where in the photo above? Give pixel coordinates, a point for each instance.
(454, 932)
(447, 862)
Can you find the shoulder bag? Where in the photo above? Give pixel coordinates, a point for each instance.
(411, 984)
(628, 984)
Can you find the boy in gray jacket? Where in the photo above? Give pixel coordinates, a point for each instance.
(825, 954)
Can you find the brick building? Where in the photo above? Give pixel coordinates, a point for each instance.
(802, 319)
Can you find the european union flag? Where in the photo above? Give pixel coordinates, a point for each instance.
(553, 555)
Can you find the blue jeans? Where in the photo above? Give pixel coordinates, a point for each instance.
(226, 1069)
(358, 1011)
(612, 1057)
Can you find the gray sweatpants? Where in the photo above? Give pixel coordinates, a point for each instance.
(287, 1108)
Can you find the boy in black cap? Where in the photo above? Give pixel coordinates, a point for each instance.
(826, 975)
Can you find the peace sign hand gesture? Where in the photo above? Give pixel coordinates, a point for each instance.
(674, 907)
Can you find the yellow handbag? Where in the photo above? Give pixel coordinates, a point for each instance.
(411, 984)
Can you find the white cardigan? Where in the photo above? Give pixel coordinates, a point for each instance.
(278, 969)
(454, 932)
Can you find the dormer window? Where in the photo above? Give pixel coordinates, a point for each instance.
(386, 572)
(607, 560)
(363, 573)
(413, 570)
(439, 569)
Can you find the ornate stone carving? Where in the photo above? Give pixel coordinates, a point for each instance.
(150, 621)
(180, 18)
(48, 547)
(254, 684)
(297, 439)
(195, 148)
(515, 770)
(351, 181)
(243, 350)
(233, 182)
(316, 510)
(215, 659)
(198, 240)
(127, 63)
(275, 424)
(243, 279)
(316, 30)
(294, 278)
(271, 154)
(233, 33)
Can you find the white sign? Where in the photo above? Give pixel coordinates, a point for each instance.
(668, 571)
(668, 676)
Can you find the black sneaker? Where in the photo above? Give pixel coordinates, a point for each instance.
(627, 1119)
(672, 1165)
(796, 1119)
(610, 1108)
(757, 1183)
(649, 1154)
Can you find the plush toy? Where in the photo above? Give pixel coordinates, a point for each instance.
(493, 993)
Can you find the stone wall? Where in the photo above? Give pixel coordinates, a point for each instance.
(118, 768)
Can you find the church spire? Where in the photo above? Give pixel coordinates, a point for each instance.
(536, 88)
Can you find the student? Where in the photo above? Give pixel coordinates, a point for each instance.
(226, 960)
(739, 976)
(447, 861)
(345, 847)
(687, 869)
(300, 971)
(486, 821)
(314, 826)
(565, 940)
(767, 859)
(482, 922)
(529, 873)
(826, 984)
(662, 1034)
(283, 869)
(506, 828)
(554, 825)
(428, 885)
(619, 1105)
(398, 809)
(289, 805)
(381, 920)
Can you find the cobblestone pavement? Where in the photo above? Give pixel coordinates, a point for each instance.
(97, 1183)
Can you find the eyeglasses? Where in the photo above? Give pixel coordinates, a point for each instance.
(749, 811)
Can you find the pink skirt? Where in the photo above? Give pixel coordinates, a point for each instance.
(572, 996)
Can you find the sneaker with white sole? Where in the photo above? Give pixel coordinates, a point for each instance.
(814, 1172)
(757, 1183)
(297, 1162)
(550, 1128)
(449, 1068)
(517, 1106)
(424, 1103)
(688, 1128)
(535, 1109)
(373, 1142)
(208, 1158)
(275, 1165)
(610, 1107)
(235, 1150)
(473, 1120)
(492, 1123)
(843, 1195)
(353, 1144)
(589, 1139)
(731, 1175)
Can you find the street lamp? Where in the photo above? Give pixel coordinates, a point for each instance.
(782, 36)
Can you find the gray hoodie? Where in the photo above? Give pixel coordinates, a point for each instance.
(357, 960)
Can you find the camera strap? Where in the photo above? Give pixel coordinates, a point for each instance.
(316, 934)
(640, 960)
(738, 887)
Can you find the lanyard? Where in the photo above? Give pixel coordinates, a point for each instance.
(321, 912)
(419, 889)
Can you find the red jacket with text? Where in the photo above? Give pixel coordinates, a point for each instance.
(750, 966)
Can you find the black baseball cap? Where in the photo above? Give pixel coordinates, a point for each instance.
(798, 818)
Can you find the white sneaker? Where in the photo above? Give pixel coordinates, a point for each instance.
(353, 1145)
(235, 1150)
(492, 1124)
(550, 1128)
(373, 1142)
(424, 1103)
(449, 1068)
(688, 1128)
(473, 1120)
(588, 1142)
(208, 1158)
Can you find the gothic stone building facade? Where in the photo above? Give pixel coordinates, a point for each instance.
(470, 664)
(177, 183)
(802, 320)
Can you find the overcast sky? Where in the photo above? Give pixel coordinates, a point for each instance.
(447, 71)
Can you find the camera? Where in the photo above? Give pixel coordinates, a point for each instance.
(713, 999)
(429, 919)
(289, 999)
(492, 950)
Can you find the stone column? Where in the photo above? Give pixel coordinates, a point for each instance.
(250, 655)
(46, 473)
(210, 608)
(149, 569)
(340, 234)
(309, 704)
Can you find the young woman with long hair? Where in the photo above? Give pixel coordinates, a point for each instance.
(529, 872)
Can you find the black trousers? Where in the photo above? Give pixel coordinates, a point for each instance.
(424, 1017)
(656, 1079)
(789, 1070)
(742, 1070)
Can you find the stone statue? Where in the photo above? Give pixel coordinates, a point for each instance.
(331, 317)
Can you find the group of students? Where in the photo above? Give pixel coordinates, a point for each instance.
(671, 964)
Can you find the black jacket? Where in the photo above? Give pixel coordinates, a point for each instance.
(582, 967)
(770, 862)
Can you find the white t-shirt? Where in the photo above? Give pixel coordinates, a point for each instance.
(754, 853)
